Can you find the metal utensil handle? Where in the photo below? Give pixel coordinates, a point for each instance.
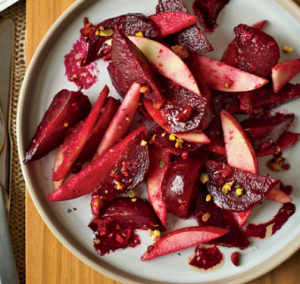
(8, 272)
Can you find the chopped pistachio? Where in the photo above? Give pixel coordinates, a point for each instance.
(276, 164)
(108, 32)
(131, 193)
(127, 118)
(144, 90)
(133, 199)
(208, 198)
(140, 34)
(66, 124)
(155, 235)
(172, 137)
(239, 191)
(161, 164)
(287, 49)
(96, 241)
(178, 143)
(164, 134)
(204, 178)
(144, 143)
(205, 217)
(119, 185)
(236, 186)
(227, 187)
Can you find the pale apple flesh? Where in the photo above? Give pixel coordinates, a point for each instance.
(283, 72)
(222, 77)
(165, 62)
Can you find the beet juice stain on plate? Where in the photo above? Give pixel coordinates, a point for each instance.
(86, 76)
(206, 259)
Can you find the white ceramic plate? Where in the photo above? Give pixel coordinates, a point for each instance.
(46, 76)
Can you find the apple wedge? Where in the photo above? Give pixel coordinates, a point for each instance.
(172, 22)
(283, 72)
(77, 145)
(159, 162)
(182, 239)
(122, 120)
(165, 62)
(222, 77)
(279, 196)
(239, 150)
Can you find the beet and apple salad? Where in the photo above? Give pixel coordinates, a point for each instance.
(196, 158)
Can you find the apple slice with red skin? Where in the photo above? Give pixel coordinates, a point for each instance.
(122, 120)
(65, 111)
(222, 77)
(283, 72)
(167, 63)
(279, 196)
(63, 148)
(182, 239)
(172, 22)
(159, 162)
(77, 145)
(87, 180)
(239, 150)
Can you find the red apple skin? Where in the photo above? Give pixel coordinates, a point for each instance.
(172, 22)
(159, 162)
(66, 110)
(88, 179)
(239, 151)
(222, 77)
(283, 72)
(163, 60)
(182, 239)
(122, 120)
(76, 147)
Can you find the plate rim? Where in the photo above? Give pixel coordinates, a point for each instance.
(117, 274)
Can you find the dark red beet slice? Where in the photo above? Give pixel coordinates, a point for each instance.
(172, 22)
(78, 144)
(159, 163)
(180, 184)
(182, 239)
(109, 236)
(286, 140)
(124, 166)
(130, 65)
(208, 11)
(162, 139)
(208, 214)
(107, 113)
(266, 99)
(206, 258)
(130, 214)
(263, 132)
(235, 258)
(255, 188)
(192, 37)
(253, 51)
(246, 100)
(129, 24)
(183, 109)
(217, 145)
(66, 110)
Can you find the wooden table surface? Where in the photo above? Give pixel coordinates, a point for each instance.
(47, 260)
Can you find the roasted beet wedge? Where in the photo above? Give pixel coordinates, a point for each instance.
(129, 24)
(265, 131)
(236, 190)
(107, 114)
(208, 11)
(180, 184)
(177, 147)
(109, 236)
(124, 166)
(172, 22)
(253, 51)
(159, 163)
(78, 144)
(182, 239)
(286, 140)
(208, 214)
(66, 110)
(131, 65)
(130, 214)
(122, 120)
(192, 37)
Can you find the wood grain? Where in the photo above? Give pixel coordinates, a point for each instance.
(47, 260)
